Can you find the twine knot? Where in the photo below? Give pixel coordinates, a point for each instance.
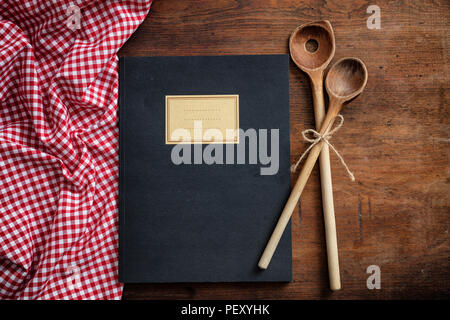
(317, 137)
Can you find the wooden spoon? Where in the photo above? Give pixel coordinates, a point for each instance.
(346, 79)
(312, 47)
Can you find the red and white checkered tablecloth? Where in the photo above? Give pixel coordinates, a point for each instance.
(59, 146)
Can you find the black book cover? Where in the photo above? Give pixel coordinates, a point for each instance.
(200, 222)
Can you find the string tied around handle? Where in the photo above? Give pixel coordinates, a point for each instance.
(317, 138)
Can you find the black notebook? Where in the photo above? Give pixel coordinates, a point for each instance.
(198, 198)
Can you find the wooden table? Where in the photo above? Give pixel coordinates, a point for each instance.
(395, 139)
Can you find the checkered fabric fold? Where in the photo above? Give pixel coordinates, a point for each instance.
(59, 146)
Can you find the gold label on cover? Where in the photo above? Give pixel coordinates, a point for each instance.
(202, 119)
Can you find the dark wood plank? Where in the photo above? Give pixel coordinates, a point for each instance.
(395, 140)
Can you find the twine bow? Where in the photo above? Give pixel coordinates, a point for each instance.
(325, 138)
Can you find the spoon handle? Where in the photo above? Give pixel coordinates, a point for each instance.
(297, 190)
(290, 206)
(327, 190)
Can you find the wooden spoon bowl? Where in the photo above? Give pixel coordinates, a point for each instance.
(312, 45)
(346, 79)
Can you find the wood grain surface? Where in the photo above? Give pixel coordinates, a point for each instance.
(395, 140)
